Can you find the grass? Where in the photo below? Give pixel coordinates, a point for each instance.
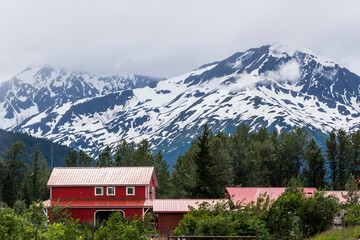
(343, 234)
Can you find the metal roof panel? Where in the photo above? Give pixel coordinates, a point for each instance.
(100, 176)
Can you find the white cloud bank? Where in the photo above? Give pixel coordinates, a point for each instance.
(288, 72)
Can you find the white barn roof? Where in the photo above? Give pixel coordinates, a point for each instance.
(101, 176)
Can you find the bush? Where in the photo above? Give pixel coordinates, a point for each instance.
(218, 220)
(117, 227)
(13, 226)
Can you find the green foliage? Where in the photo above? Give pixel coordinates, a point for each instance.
(349, 233)
(216, 219)
(182, 174)
(314, 171)
(116, 227)
(162, 175)
(331, 156)
(124, 153)
(207, 177)
(58, 213)
(353, 195)
(13, 226)
(105, 159)
(292, 216)
(352, 218)
(75, 159)
(68, 230)
(39, 176)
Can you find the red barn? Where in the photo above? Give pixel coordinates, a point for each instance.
(93, 193)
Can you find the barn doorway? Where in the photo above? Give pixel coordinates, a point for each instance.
(103, 215)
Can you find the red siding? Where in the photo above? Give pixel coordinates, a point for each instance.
(87, 214)
(89, 192)
(168, 221)
(152, 189)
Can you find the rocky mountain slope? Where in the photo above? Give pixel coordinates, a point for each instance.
(39, 87)
(271, 86)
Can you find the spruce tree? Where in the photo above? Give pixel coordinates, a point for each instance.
(105, 159)
(71, 160)
(344, 154)
(124, 154)
(16, 168)
(39, 176)
(240, 143)
(220, 148)
(143, 155)
(84, 159)
(355, 163)
(331, 157)
(206, 177)
(162, 175)
(314, 171)
(183, 174)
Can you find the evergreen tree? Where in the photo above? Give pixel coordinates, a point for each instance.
(12, 186)
(2, 176)
(206, 177)
(71, 160)
(162, 175)
(355, 163)
(124, 154)
(84, 159)
(331, 156)
(39, 176)
(353, 195)
(105, 159)
(344, 154)
(240, 142)
(9, 193)
(290, 155)
(143, 155)
(183, 174)
(267, 157)
(220, 148)
(314, 171)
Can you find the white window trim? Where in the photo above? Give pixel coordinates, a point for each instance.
(107, 191)
(127, 193)
(102, 191)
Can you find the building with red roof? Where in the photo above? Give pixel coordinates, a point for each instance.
(169, 212)
(93, 193)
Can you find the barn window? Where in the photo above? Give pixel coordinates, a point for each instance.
(110, 191)
(99, 191)
(130, 190)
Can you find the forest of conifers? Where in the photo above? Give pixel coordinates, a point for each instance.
(212, 163)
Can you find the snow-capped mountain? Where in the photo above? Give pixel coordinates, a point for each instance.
(271, 86)
(39, 87)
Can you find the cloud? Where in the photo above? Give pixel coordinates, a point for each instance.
(167, 38)
(288, 72)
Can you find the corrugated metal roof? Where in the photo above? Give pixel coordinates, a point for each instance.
(178, 205)
(101, 203)
(338, 194)
(248, 194)
(101, 176)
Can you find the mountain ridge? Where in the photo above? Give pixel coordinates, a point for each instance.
(270, 86)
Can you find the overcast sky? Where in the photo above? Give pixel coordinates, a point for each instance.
(166, 38)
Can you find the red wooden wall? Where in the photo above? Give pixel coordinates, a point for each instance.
(89, 192)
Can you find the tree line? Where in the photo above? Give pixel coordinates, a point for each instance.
(21, 181)
(263, 159)
(212, 163)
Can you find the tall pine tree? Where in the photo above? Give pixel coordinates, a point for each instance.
(331, 157)
(207, 177)
(314, 171)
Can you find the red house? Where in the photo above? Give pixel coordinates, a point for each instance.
(93, 193)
